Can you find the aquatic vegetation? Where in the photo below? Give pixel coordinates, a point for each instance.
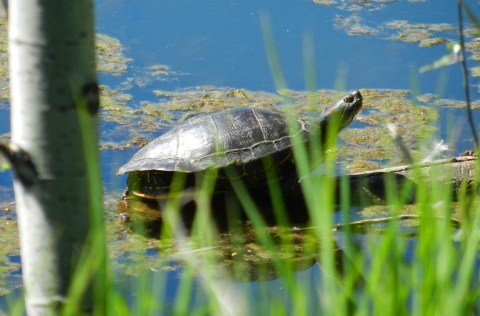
(110, 55)
(432, 41)
(473, 47)
(413, 35)
(419, 33)
(325, 2)
(144, 76)
(441, 28)
(427, 98)
(4, 65)
(404, 31)
(352, 25)
(456, 104)
(402, 25)
(356, 6)
(9, 247)
(475, 71)
(155, 110)
(207, 99)
(368, 147)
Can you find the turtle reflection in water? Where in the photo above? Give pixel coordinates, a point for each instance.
(246, 142)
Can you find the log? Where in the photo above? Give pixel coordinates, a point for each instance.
(369, 187)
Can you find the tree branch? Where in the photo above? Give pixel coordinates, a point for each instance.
(465, 74)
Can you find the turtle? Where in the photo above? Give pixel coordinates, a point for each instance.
(250, 142)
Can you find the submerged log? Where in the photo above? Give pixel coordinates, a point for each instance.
(369, 187)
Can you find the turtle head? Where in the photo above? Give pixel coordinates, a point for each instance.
(340, 115)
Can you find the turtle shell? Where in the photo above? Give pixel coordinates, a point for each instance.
(234, 136)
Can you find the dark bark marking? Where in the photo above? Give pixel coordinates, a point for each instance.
(90, 93)
(22, 165)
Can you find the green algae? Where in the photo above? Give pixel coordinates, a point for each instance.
(433, 41)
(475, 71)
(355, 6)
(369, 147)
(110, 57)
(113, 105)
(155, 110)
(4, 64)
(353, 25)
(413, 35)
(473, 47)
(403, 31)
(456, 104)
(325, 2)
(113, 100)
(207, 99)
(9, 246)
(441, 28)
(135, 141)
(144, 76)
(427, 98)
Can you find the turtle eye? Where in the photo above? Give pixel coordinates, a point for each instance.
(348, 99)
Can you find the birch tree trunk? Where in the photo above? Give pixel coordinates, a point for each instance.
(52, 67)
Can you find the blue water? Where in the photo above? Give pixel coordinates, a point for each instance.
(220, 43)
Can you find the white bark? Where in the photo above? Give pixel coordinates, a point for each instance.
(51, 59)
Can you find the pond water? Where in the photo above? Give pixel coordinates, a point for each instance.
(220, 44)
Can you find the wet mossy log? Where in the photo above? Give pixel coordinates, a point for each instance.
(371, 187)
